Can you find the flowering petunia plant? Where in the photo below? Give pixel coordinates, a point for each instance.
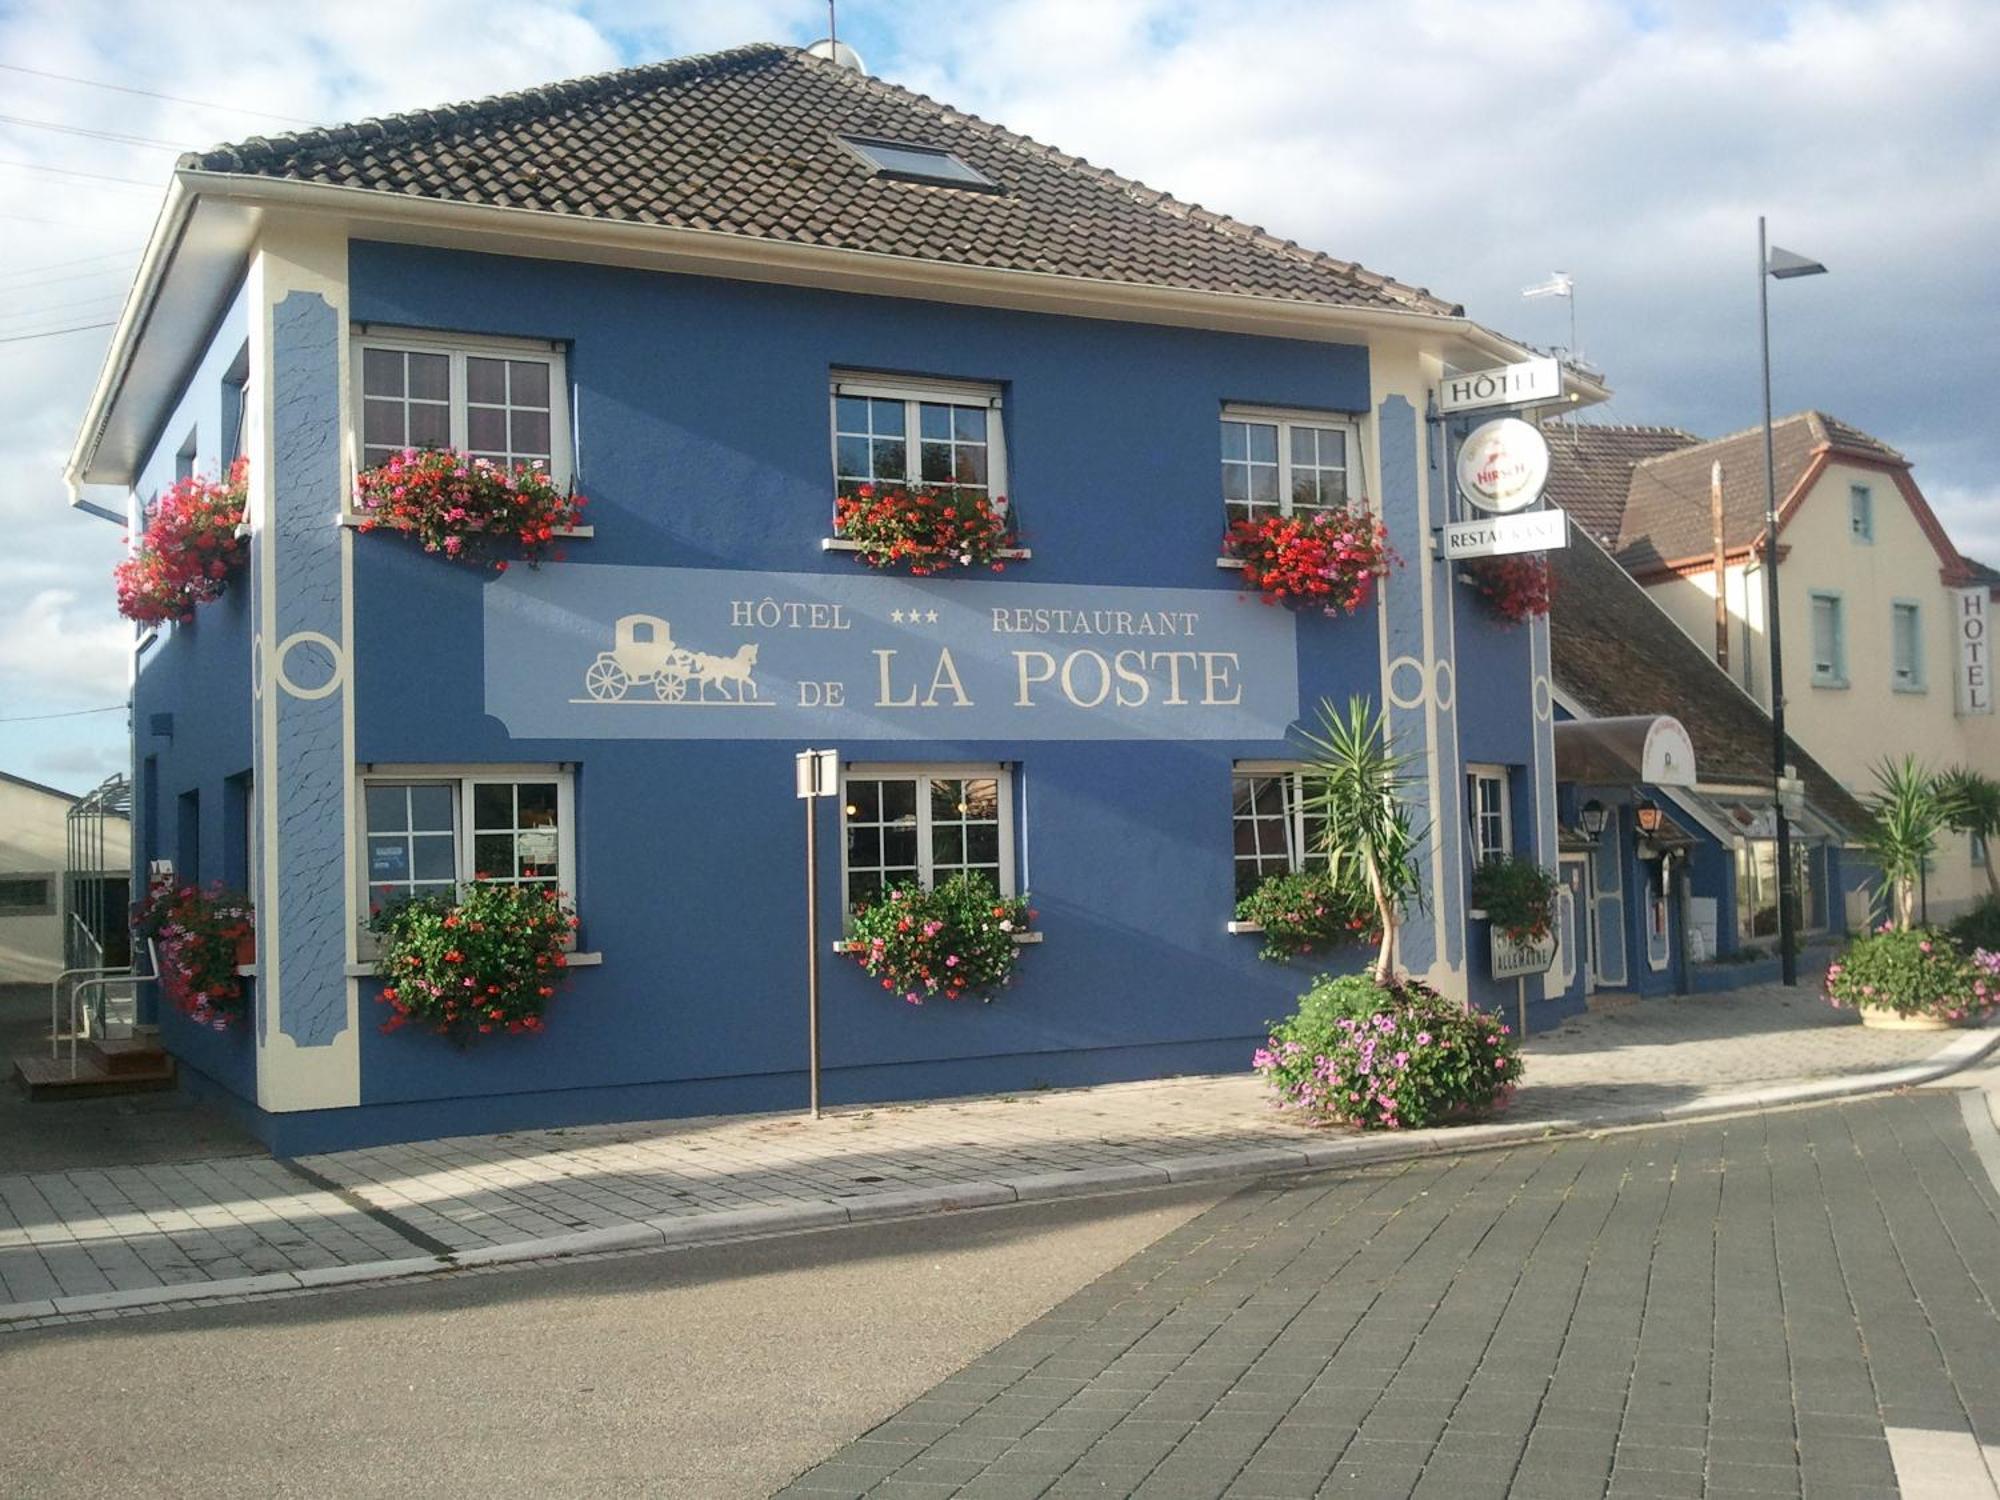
(469, 510)
(1914, 971)
(1516, 588)
(956, 940)
(925, 528)
(1388, 1058)
(189, 550)
(488, 961)
(199, 935)
(1323, 559)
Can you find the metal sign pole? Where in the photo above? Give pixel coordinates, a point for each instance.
(812, 945)
(1521, 1003)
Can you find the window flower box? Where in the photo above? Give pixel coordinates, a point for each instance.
(193, 544)
(199, 936)
(468, 510)
(925, 528)
(1326, 559)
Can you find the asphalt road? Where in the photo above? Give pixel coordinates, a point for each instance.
(712, 1373)
(1798, 1303)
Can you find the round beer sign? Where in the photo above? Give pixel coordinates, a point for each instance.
(1503, 465)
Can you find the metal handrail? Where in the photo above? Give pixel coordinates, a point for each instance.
(99, 979)
(55, 1007)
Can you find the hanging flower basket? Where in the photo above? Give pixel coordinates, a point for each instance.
(198, 935)
(488, 960)
(468, 510)
(1517, 588)
(1326, 560)
(189, 552)
(925, 528)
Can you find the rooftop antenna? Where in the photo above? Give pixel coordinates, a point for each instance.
(833, 49)
(1560, 284)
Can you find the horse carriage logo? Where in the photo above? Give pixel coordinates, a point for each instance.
(644, 654)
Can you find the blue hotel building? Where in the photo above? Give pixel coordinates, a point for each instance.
(700, 291)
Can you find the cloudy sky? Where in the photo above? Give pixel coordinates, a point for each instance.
(1463, 145)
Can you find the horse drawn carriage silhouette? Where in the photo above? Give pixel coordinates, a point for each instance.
(643, 652)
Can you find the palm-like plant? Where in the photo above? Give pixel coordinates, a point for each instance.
(1908, 814)
(1971, 804)
(1355, 785)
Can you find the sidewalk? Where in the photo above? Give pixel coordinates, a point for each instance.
(104, 1243)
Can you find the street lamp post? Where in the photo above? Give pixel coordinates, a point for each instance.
(1780, 265)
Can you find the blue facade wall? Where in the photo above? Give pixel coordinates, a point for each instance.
(199, 674)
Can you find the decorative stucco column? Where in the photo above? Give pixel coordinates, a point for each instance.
(308, 1051)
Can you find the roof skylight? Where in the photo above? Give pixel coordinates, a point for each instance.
(917, 163)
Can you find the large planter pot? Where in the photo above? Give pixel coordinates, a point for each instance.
(1884, 1019)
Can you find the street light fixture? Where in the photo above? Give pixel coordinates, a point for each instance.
(1774, 264)
(1593, 815)
(1648, 816)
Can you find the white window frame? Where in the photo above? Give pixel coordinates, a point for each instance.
(923, 773)
(1861, 513)
(1476, 774)
(1915, 681)
(463, 779)
(1837, 675)
(456, 348)
(1286, 418)
(1302, 856)
(913, 394)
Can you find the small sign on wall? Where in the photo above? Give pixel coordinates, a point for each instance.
(1517, 960)
(1972, 623)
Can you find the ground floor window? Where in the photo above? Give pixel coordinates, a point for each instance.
(1270, 816)
(427, 830)
(924, 823)
(27, 895)
(1757, 888)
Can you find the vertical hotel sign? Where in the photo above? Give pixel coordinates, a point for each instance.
(1973, 623)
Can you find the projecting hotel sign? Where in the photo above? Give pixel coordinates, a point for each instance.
(1503, 465)
(1505, 385)
(1497, 536)
(575, 651)
(1972, 624)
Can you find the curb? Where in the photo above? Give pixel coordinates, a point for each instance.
(688, 1231)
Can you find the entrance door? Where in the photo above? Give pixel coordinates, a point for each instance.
(1578, 955)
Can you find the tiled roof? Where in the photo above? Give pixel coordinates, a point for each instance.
(1617, 653)
(1590, 468)
(1667, 505)
(745, 143)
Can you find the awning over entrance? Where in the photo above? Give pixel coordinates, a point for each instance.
(1649, 749)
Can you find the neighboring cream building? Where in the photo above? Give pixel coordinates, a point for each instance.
(35, 858)
(1887, 626)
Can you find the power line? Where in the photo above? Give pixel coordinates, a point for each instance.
(120, 88)
(74, 713)
(49, 333)
(98, 135)
(63, 265)
(22, 286)
(31, 166)
(49, 307)
(63, 223)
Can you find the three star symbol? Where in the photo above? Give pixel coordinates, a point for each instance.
(913, 616)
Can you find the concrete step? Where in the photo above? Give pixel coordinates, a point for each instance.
(44, 1077)
(125, 1055)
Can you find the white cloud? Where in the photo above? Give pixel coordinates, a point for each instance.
(55, 649)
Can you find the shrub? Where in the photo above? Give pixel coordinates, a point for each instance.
(1978, 928)
(955, 940)
(197, 934)
(1355, 1053)
(189, 550)
(1914, 971)
(1306, 912)
(1518, 895)
(1326, 559)
(924, 527)
(469, 509)
(489, 960)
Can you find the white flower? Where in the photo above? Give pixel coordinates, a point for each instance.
(1006, 924)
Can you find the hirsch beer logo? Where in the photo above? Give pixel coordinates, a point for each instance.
(1503, 465)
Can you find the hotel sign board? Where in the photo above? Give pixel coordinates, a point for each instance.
(1503, 465)
(1498, 536)
(583, 651)
(1522, 384)
(1972, 623)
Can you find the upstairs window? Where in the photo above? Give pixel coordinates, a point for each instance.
(1861, 512)
(1906, 647)
(1281, 464)
(1487, 810)
(495, 399)
(912, 163)
(918, 433)
(1829, 641)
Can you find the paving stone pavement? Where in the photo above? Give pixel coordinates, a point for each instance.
(1795, 1303)
(114, 1234)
